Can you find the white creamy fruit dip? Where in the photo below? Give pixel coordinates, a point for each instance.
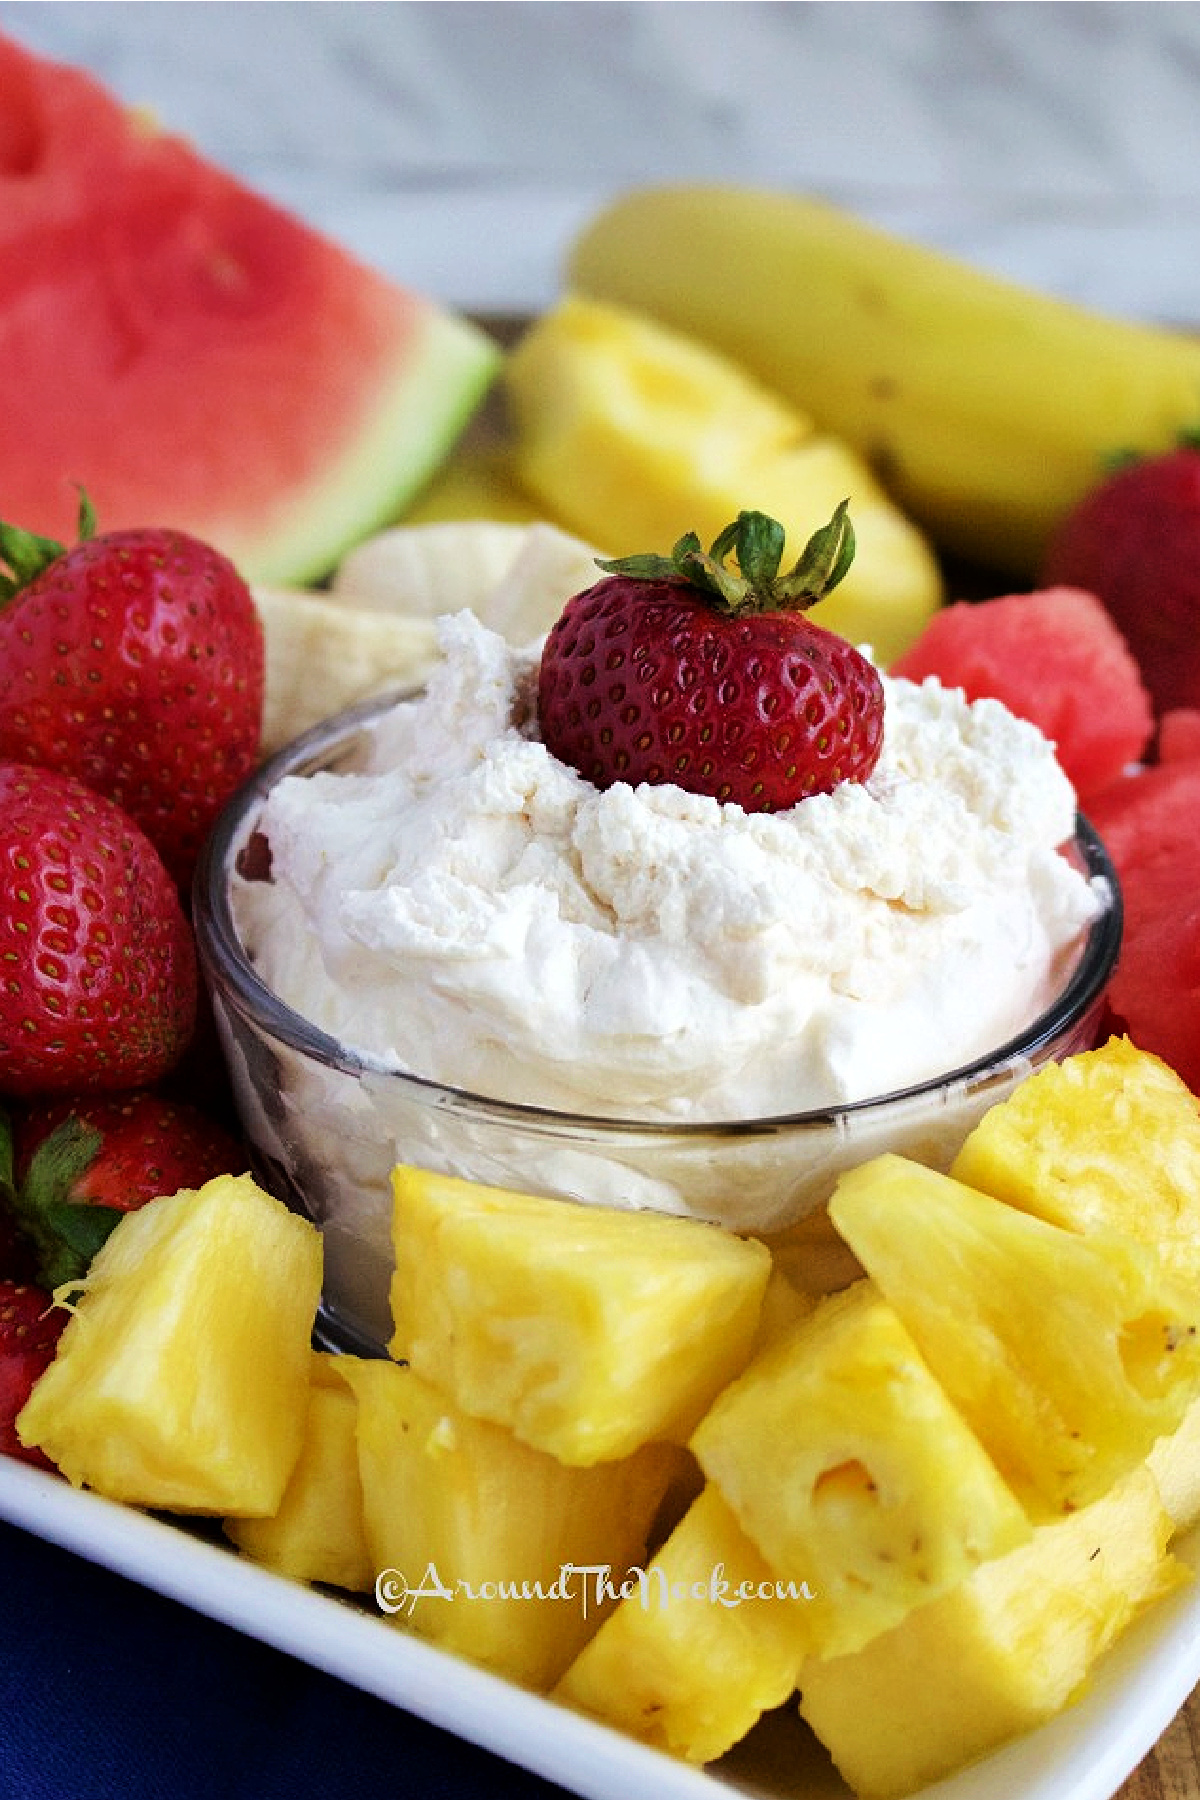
(471, 910)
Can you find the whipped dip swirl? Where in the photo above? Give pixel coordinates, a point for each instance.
(469, 909)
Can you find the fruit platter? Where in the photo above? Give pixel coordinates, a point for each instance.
(600, 1031)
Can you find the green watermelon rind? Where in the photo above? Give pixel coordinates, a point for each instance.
(420, 410)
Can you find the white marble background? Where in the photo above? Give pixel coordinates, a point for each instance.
(459, 146)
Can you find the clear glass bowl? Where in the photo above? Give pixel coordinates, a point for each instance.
(326, 1125)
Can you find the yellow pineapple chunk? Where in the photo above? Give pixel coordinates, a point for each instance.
(1174, 1463)
(467, 1526)
(182, 1380)
(318, 1534)
(633, 434)
(1108, 1140)
(1002, 1653)
(849, 1469)
(585, 1330)
(706, 1640)
(783, 1306)
(1067, 1355)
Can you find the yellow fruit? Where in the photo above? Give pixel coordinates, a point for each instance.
(515, 578)
(317, 1534)
(483, 1545)
(985, 408)
(783, 1306)
(704, 1643)
(584, 1329)
(846, 1465)
(322, 656)
(1174, 1463)
(1002, 1653)
(475, 482)
(1108, 1140)
(1067, 1355)
(633, 435)
(423, 571)
(182, 1380)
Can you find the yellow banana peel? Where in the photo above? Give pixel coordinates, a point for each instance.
(985, 409)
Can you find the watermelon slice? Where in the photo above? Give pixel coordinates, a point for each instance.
(1053, 657)
(194, 356)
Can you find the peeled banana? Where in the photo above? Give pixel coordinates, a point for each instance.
(985, 409)
(374, 628)
(321, 657)
(632, 434)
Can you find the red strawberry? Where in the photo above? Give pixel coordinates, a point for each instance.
(80, 1164)
(97, 962)
(133, 661)
(30, 1327)
(679, 670)
(1134, 541)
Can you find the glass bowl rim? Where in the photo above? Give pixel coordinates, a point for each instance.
(230, 971)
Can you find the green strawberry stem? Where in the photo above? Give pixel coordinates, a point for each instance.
(65, 1234)
(756, 586)
(26, 554)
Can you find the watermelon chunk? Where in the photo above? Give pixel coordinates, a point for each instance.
(1179, 734)
(1148, 823)
(195, 356)
(1053, 657)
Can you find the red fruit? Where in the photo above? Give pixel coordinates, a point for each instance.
(1179, 735)
(143, 1146)
(97, 962)
(678, 670)
(17, 1260)
(30, 1327)
(1134, 540)
(133, 661)
(1150, 816)
(1148, 823)
(1055, 658)
(79, 1164)
(1155, 990)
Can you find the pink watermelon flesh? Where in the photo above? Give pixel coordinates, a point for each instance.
(1155, 992)
(1179, 734)
(1053, 657)
(1148, 821)
(1150, 816)
(191, 354)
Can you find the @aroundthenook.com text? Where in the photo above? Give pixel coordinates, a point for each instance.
(589, 1585)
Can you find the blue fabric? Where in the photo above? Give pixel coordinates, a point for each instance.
(110, 1692)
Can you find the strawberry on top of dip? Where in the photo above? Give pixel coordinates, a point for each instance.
(471, 909)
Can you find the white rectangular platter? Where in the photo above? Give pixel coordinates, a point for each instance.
(1084, 1754)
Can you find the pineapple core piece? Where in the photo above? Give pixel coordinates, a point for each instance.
(1067, 1355)
(631, 434)
(706, 1640)
(1108, 1140)
(846, 1465)
(182, 1380)
(585, 1330)
(1002, 1653)
(318, 1533)
(484, 1545)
